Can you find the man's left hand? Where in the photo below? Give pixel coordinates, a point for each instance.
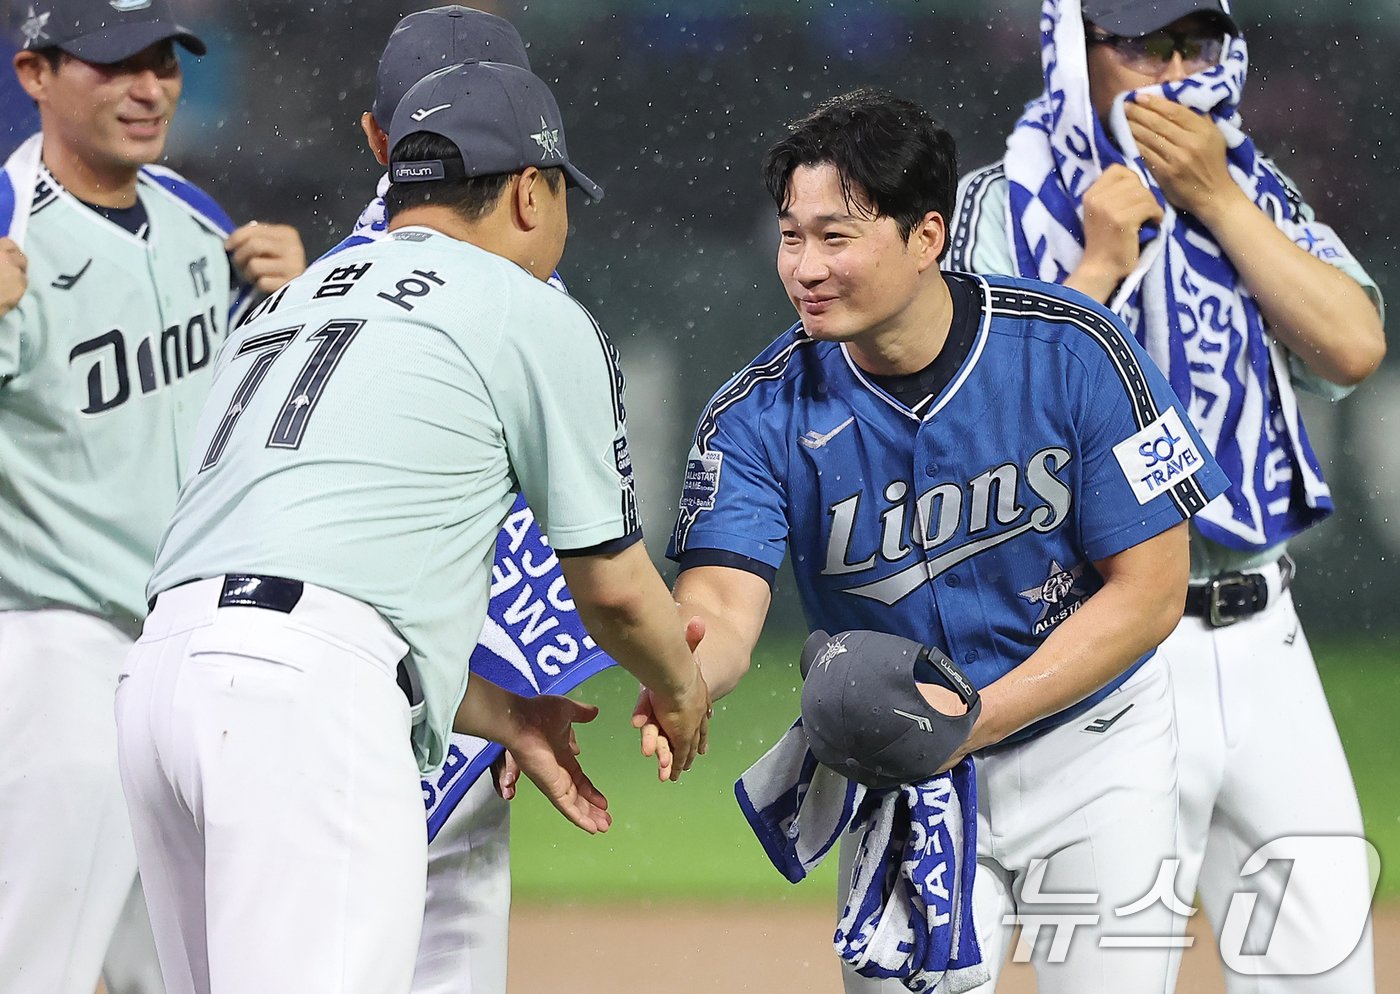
(267, 255)
(1185, 152)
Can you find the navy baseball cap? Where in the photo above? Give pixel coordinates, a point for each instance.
(104, 31)
(430, 40)
(501, 118)
(864, 715)
(1134, 18)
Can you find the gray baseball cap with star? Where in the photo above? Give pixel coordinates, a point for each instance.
(428, 40)
(1134, 18)
(104, 31)
(501, 118)
(863, 713)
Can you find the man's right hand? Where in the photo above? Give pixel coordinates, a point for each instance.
(676, 730)
(14, 275)
(1116, 207)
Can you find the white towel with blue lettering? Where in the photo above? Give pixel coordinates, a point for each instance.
(1185, 301)
(908, 915)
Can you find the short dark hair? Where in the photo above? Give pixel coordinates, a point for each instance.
(885, 148)
(473, 198)
(53, 55)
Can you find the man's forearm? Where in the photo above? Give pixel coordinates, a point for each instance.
(626, 608)
(1315, 310)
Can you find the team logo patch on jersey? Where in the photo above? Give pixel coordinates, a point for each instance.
(702, 472)
(1159, 457)
(1059, 595)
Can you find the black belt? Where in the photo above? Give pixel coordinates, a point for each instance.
(1230, 597)
(271, 593)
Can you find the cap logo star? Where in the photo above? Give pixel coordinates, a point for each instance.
(33, 28)
(547, 138)
(834, 648)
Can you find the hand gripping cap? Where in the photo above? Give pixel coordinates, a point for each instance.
(863, 712)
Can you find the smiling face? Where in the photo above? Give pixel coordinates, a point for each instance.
(851, 275)
(106, 120)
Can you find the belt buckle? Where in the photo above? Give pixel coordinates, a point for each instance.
(1226, 581)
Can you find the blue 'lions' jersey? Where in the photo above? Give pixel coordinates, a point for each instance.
(974, 526)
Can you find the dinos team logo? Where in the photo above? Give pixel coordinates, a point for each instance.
(1059, 596)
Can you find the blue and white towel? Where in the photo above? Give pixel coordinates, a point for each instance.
(533, 641)
(1185, 301)
(908, 915)
(21, 175)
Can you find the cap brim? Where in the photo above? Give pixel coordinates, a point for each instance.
(1137, 21)
(810, 650)
(121, 42)
(575, 177)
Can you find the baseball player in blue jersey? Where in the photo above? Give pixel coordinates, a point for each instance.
(328, 566)
(466, 916)
(991, 466)
(116, 290)
(1131, 179)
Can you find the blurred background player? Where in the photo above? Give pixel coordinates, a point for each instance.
(1129, 179)
(368, 433)
(116, 289)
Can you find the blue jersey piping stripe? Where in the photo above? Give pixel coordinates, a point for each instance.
(1188, 496)
(742, 385)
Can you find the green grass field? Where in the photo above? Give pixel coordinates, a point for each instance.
(688, 841)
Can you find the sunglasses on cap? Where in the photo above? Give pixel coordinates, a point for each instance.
(1200, 48)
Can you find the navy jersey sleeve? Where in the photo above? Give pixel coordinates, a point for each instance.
(733, 499)
(1145, 467)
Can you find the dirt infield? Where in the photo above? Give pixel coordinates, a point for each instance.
(758, 949)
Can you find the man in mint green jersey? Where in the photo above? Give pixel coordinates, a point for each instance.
(116, 291)
(319, 590)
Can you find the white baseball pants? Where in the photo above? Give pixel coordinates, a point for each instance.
(274, 798)
(463, 949)
(1261, 761)
(1073, 828)
(66, 857)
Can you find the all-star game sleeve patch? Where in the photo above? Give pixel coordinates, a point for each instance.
(702, 471)
(1158, 457)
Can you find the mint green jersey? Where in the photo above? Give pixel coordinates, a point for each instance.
(103, 369)
(369, 428)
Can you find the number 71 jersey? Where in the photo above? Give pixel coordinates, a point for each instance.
(370, 425)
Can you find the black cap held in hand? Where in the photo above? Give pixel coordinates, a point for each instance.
(864, 715)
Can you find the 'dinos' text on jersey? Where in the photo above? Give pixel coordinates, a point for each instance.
(945, 525)
(114, 366)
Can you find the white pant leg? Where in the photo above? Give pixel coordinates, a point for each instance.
(275, 799)
(66, 858)
(131, 966)
(465, 919)
(1252, 693)
(1100, 809)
